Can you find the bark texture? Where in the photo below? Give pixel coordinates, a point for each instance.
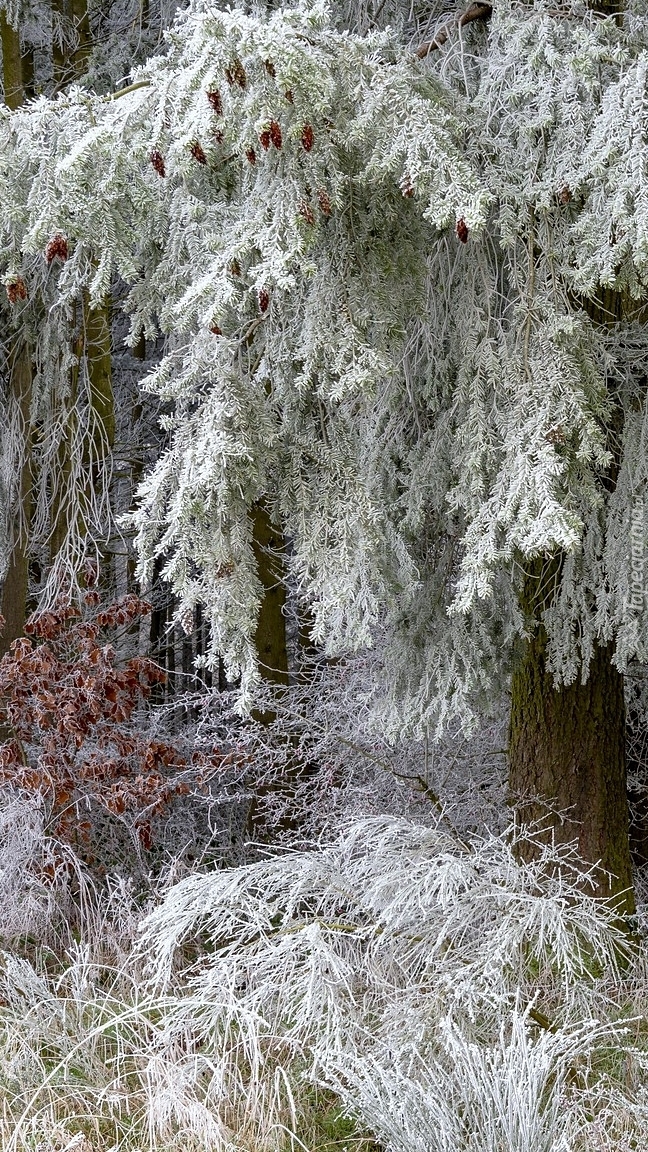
(567, 750)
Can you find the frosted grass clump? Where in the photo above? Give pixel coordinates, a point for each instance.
(35, 872)
(518, 1092)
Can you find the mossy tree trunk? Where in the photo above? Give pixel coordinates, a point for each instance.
(15, 588)
(567, 749)
(12, 64)
(16, 583)
(567, 746)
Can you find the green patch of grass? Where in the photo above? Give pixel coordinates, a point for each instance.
(326, 1127)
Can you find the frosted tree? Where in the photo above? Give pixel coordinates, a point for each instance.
(58, 418)
(400, 261)
(67, 430)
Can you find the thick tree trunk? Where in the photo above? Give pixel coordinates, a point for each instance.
(567, 750)
(567, 747)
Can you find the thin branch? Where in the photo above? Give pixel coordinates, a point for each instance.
(129, 88)
(478, 11)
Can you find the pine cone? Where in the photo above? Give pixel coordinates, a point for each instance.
(58, 246)
(216, 330)
(306, 211)
(565, 194)
(555, 435)
(250, 156)
(270, 68)
(235, 268)
(275, 134)
(236, 74)
(406, 186)
(462, 230)
(265, 140)
(216, 102)
(157, 160)
(324, 202)
(289, 96)
(264, 300)
(307, 137)
(198, 153)
(16, 290)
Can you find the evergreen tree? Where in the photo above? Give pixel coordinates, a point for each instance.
(401, 276)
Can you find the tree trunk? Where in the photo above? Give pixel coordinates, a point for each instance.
(15, 587)
(98, 347)
(567, 750)
(12, 68)
(567, 747)
(16, 583)
(272, 649)
(159, 616)
(72, 41)
(83, 36)
(270, 637)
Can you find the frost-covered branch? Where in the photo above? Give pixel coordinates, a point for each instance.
(476, 11)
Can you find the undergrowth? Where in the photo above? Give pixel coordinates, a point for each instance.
(397, 989)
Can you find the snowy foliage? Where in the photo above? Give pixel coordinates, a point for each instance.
(401, 301)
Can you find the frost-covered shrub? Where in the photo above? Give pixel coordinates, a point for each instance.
(451, 998)
(74, 731)
(314, 756)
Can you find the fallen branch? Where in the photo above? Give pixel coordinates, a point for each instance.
(478, 11)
